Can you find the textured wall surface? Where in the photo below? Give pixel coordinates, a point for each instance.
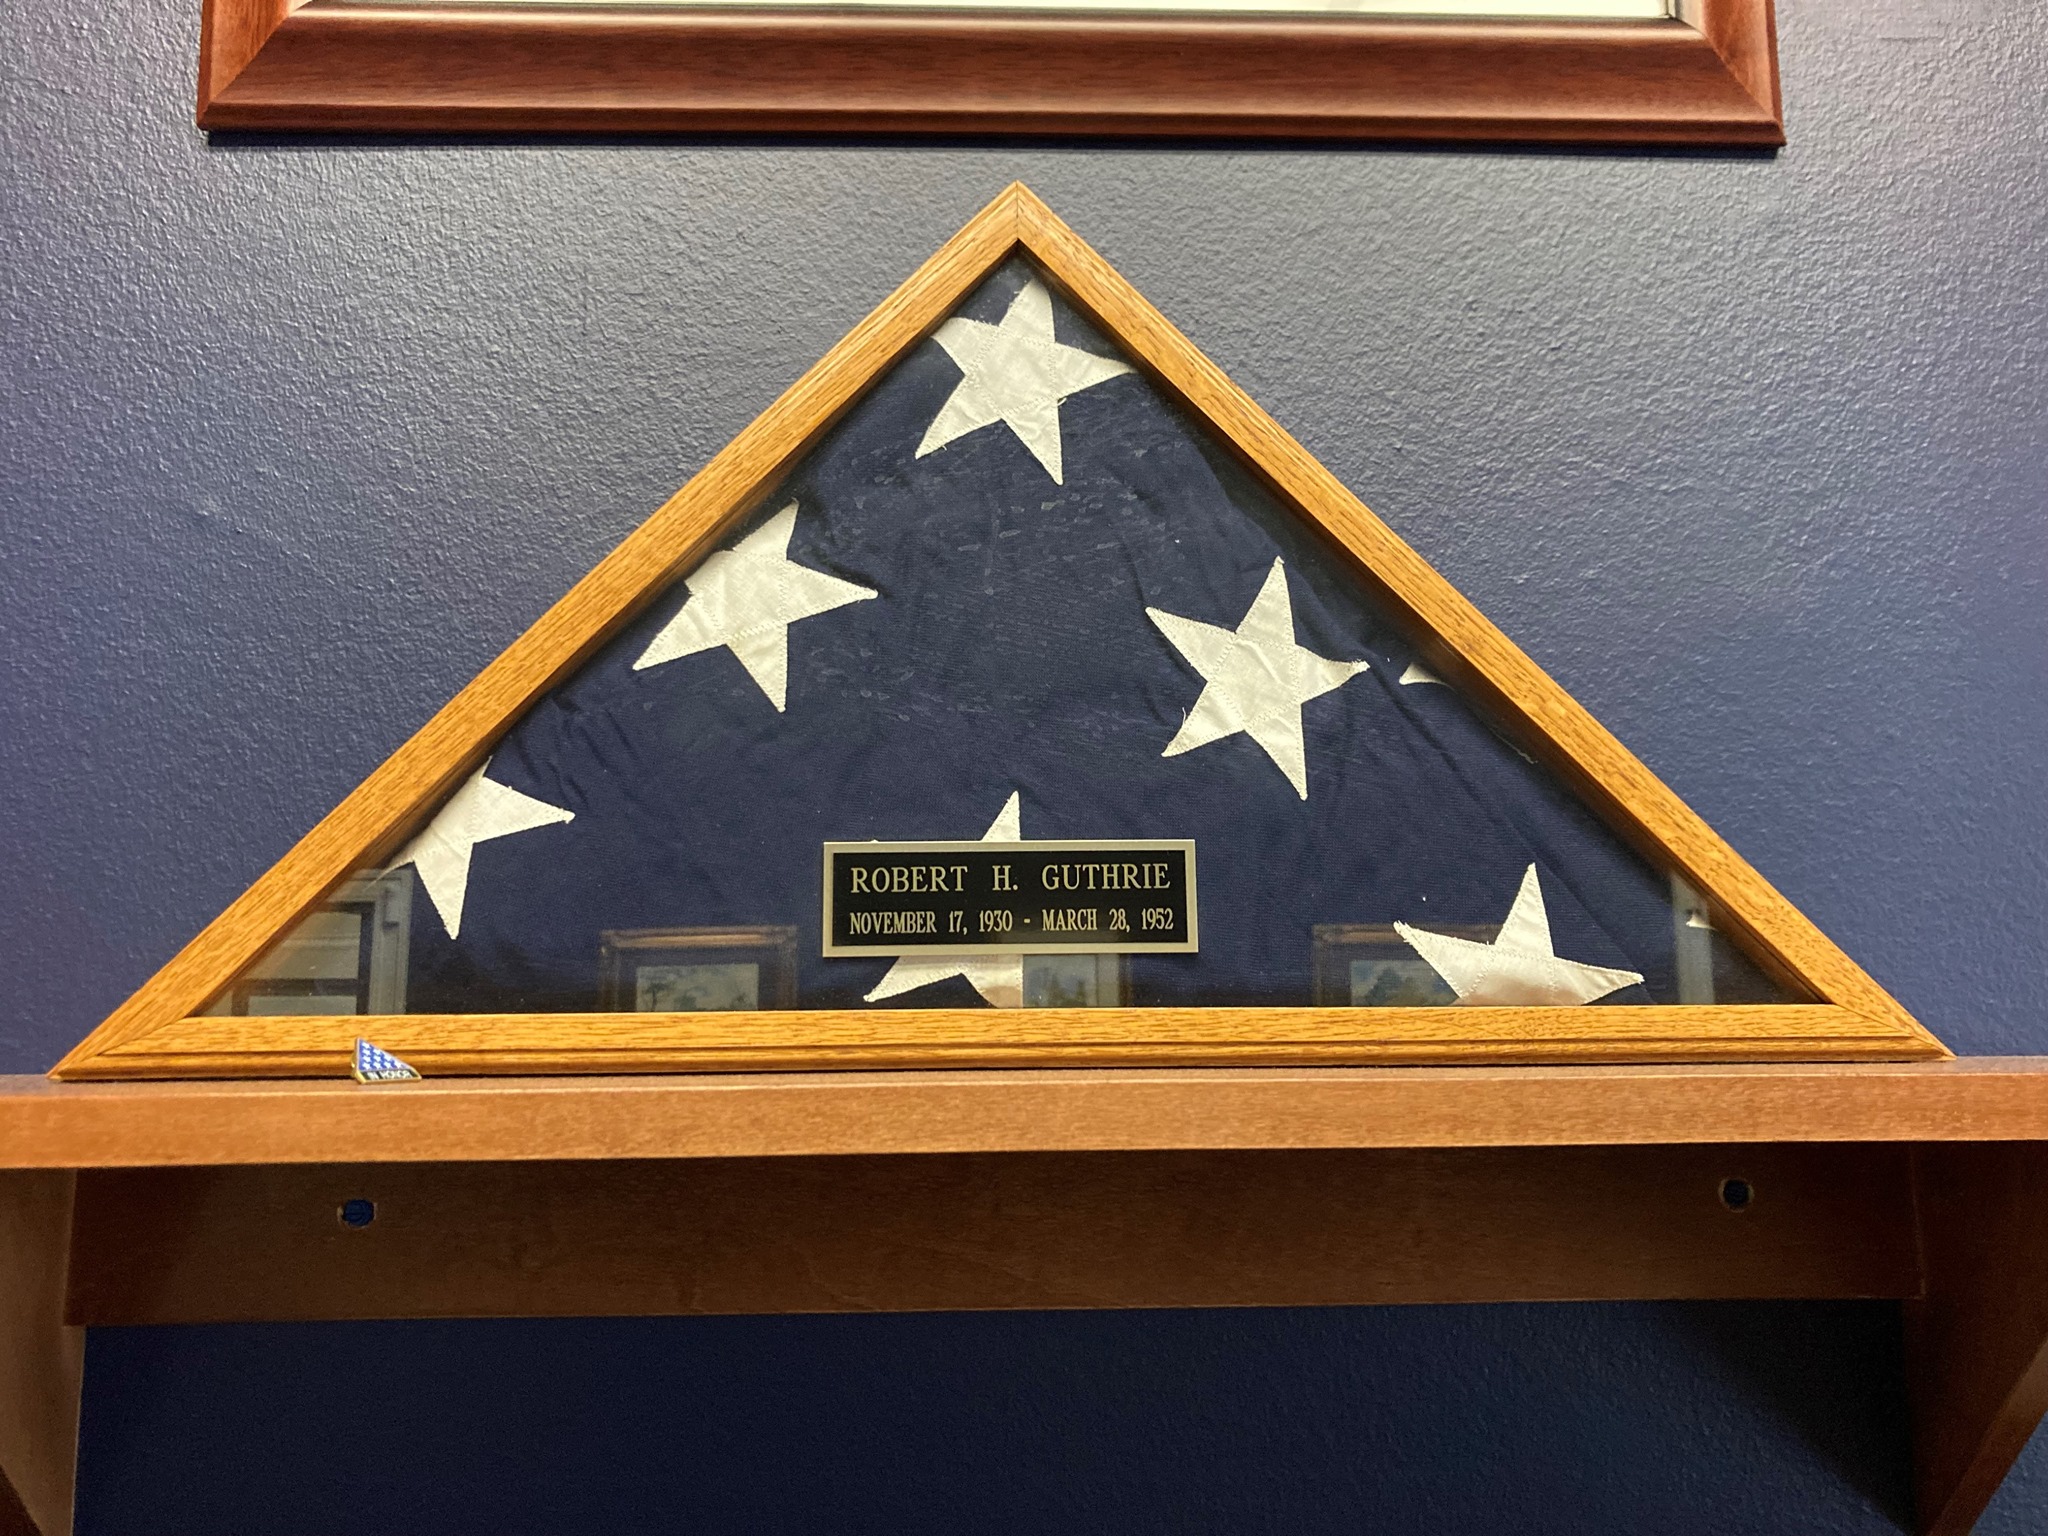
(1749, 451)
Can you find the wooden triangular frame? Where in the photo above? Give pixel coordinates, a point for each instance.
(156, 1033)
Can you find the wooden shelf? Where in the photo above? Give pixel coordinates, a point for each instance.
(199, 1201)
(819, 1114)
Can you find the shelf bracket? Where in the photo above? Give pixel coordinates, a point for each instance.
(41, 1360)
(1977, 1342)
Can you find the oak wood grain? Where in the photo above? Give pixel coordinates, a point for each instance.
(941, 1233)
(330, 65)
(152, 1034)
(1978, 1343)
(793, 1040)
(41, 1358)
(87, 1125)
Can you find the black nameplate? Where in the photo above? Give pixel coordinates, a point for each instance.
(1132, 898)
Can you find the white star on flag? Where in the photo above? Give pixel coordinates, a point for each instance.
(1256, 678)
(745, 598)
(1519, 968)
(1017, 374)
(998, 978)
(479, 811)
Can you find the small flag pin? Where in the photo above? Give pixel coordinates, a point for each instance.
(373, 1065)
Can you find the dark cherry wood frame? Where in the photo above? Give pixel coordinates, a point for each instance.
(1709, 78)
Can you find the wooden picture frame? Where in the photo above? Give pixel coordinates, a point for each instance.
(160, 1033)
(1707, 76)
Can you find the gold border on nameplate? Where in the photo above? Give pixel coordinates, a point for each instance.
(1104, 945)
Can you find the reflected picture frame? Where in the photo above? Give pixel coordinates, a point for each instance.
(1706, 74)
(697, 970)
(347, 956)
(1369, 965)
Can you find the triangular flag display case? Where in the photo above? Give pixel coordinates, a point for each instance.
(1084, 588)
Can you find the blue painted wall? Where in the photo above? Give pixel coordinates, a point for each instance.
(1748, 451)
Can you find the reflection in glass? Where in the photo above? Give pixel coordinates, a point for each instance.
(697, 988)
(697, 970)
(349, 955)
(1073, 981)
(1369, 965)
